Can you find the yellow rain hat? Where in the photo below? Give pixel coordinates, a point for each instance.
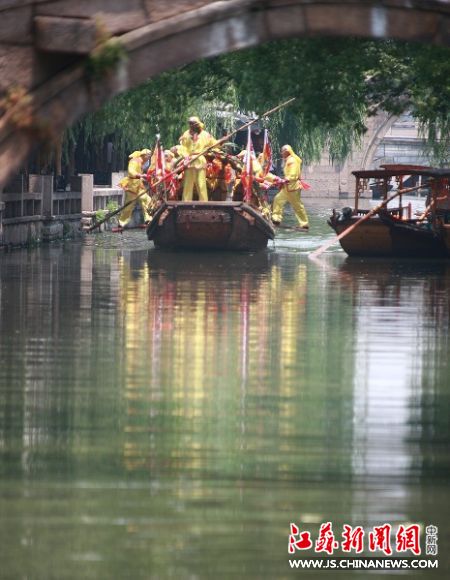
(138, 153)
(196, 121)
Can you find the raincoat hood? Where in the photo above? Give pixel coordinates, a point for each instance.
(289, 149)
(139, 153)
(197, 121)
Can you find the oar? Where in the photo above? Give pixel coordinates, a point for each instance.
(183, 166)
(426, 211)
(365, 217)
(430, 207)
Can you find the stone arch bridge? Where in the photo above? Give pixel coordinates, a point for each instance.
(46, 45)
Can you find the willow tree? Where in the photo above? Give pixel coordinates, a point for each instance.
(160, 105)
(338, 83)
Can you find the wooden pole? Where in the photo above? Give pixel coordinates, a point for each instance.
(365, 217)
(427, 210)
(183, 166)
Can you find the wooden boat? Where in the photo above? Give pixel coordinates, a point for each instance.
(413, 238)
(212, 225)
(392, 231)
(440, 217)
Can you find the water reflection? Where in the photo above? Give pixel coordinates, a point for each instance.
(161, 413)
(210, 328)
(390, 366)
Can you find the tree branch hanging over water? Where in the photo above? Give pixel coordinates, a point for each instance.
(338, 84)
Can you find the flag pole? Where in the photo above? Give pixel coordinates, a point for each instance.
(186, 164)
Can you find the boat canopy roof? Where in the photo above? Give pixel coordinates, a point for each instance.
(387, 171)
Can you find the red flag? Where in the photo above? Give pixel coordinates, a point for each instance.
(266, 154)
(247, 171)
(160, 160)
(157, 169)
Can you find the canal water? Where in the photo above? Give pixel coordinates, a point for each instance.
(168, 415)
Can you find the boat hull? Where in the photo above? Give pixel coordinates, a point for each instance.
(384, 237)
(444, 233)
(411, 238)
(209, 226)
(371, 238)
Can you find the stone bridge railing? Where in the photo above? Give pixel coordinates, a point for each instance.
(32, 211)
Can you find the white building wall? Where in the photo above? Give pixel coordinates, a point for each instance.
(388, 140)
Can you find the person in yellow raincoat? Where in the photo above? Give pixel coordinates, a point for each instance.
(256, 164)
(194, 141)
(134, 186)
(291, 190)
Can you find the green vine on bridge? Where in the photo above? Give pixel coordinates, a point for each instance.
(107, 54)
(105, 58)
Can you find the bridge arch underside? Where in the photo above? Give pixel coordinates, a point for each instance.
(56, 97)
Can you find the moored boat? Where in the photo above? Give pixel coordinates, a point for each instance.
(413, 237)
(444, 232)
(392, 231)
(226, 225)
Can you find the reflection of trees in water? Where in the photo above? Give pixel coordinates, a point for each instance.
(55, 355)
(34, 319)
(407, 303)
(433, 426)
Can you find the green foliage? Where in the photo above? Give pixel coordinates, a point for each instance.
(337, 83)
(100, 214)
(111, 206)
(160, 105)
(105, 58)
(430, 95)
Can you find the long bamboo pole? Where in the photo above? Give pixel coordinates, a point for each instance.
(365, 217)
(183, 166)
(427, 210)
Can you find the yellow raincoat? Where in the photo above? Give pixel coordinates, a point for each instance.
(192, 144)
(134, 186)
(291, 191)
(256, 165)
